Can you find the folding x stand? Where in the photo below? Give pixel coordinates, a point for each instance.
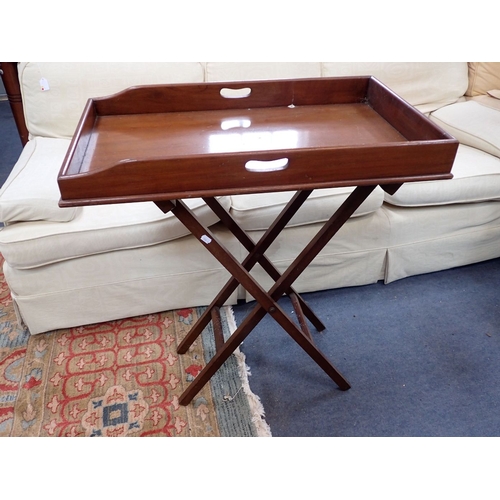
(166, 143)
(267, 302)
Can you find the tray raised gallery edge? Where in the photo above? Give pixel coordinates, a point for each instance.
(164, 142)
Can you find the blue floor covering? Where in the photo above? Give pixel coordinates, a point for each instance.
(422, 355)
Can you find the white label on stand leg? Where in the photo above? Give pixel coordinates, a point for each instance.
(206, 239)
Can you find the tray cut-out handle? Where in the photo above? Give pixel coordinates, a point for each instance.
(228, 93)
(266, 165)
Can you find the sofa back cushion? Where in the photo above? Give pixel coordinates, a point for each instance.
(234, 71)
(483, 77)
(426, 85)
(55, 94)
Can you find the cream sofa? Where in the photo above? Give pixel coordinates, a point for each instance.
(72, 266)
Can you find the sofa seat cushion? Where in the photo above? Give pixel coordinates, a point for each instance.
(490, 100)
(476, 178)
(94, 230)
(472, 123)
(258, 211)
(31, 192)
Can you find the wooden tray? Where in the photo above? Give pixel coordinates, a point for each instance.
(191, 140)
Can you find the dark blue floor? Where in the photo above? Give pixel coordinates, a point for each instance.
(422, 356)
(10, 144)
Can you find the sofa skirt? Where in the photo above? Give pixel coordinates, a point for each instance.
(430, 239)
(119, 284)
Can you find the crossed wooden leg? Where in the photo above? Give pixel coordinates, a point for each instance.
(266, 301)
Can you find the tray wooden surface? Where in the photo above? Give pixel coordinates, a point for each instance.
(190, 140)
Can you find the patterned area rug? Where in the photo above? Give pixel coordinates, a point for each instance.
(121, 378)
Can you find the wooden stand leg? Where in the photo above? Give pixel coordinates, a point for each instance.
(256, 253)
(267, 301)
(250, 322)
(259, 248)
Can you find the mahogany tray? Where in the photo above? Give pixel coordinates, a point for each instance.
(166, 142)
